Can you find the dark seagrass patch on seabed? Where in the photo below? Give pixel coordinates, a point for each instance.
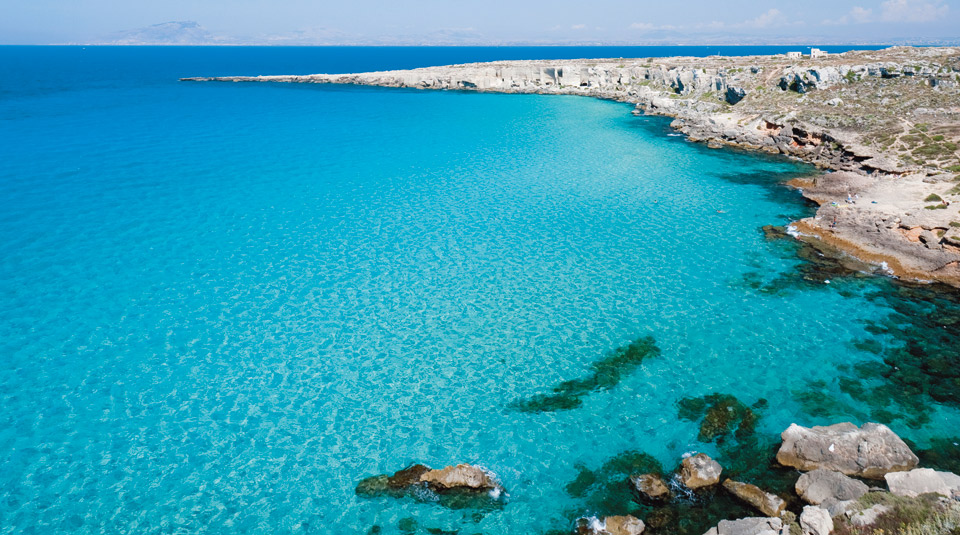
(719, 415)
(916, 363)
(607, 373)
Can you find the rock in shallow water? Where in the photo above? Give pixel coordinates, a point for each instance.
(458, 487)
(611, 525)
(700, 471)
(650, 488)
(870, 451)
(460, 476)
(766, 503)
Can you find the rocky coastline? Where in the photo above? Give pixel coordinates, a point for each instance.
(883, 125)
(842, 479)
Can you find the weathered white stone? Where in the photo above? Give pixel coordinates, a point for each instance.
(870, 451)
(867, 516)
(819, 486)
(750, 526)
(815, 521)
(922, 481)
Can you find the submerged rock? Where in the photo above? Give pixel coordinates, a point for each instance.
(607, 373)
(870, 451)
(700, 471)
(826, 486)
(923, 481)
(605, 491)
(721, 415)
(815, 521)
(766, 503)
(458, 487)
(650, 488)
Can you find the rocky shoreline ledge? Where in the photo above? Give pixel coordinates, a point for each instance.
(848, 480)
(885, 124)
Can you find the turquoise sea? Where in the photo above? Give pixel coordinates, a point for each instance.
(223, 305)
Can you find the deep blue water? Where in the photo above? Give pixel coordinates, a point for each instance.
(222, 305)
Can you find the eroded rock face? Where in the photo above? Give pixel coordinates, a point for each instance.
(870, 451)
(458, 487)
(611, 525)
(923, 481)
(815, 521)
(700, 471)
(766, 503)
(823, 486)
(650, 488)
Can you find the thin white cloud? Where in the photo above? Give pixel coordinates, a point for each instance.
(578, 26)
(646, 26)
(712, 25)
(860, 14)
(768, 19)
(913, 10)
(772, 17)
(857, 15)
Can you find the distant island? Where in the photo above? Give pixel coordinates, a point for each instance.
(884, 124)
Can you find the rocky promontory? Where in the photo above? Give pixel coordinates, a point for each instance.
(885, 125)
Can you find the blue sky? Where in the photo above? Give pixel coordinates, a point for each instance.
(493, 21)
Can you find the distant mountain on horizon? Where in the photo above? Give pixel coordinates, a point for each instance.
(167, 33)
(191, 33)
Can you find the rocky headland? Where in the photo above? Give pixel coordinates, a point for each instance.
(884, 125)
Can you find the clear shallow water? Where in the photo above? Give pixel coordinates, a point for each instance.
(225, 304)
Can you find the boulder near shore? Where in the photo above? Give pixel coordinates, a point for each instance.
(870, 452)
(700, 471)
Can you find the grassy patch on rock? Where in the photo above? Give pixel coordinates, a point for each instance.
(924, 515)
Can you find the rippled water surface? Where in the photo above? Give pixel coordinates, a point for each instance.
(223, 305)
